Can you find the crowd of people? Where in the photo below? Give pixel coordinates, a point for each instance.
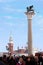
(21, 60)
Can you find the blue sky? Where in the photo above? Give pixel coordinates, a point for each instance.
(13, 19)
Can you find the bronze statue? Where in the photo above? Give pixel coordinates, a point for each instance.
(30, 8)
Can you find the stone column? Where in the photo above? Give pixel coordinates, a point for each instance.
(29, 17)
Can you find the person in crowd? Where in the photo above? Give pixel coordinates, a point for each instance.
(21, 61)
(12, 61)
(36, 60)
(4, 59)
(40, 59)
(28, 61)
(32, 60)
(2, 63)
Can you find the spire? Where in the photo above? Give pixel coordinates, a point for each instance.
(10, 39)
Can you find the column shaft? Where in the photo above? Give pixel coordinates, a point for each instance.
(29, 36)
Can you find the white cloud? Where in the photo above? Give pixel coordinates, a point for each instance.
(9, 9)
(9, 24)
(4, 1)
(8, 17)
(38, 19)
(38, 23)
(19, 10)
(14, 25)
(1, 29)
(41, 29)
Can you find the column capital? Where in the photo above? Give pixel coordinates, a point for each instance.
(30, 14)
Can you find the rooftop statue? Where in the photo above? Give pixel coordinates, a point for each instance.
(30, 8)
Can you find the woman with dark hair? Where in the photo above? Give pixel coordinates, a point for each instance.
(21, 61)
